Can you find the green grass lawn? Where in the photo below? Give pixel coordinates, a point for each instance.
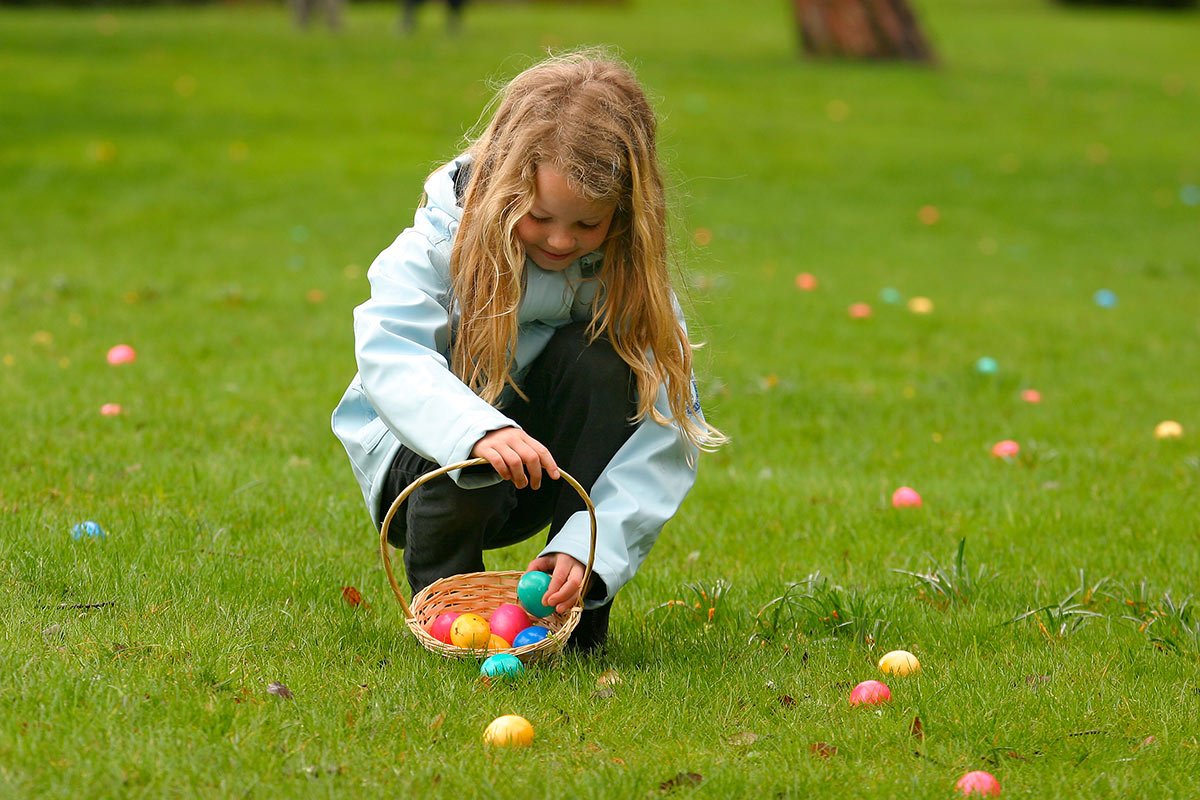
(208, 185)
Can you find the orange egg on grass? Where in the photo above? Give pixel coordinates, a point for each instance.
(471, 631)
(511, 730)
(496, 643)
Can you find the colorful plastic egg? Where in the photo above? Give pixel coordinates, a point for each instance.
(859, 311)
(511, 730)
(904, 497)
(1105, 298)
(1005, 449)
(508, 620)
(121, 354)
(470, 630)
(1168, 429)
(890, 296)
(987, 365)
(530, 591)
(920, 305)
(440, 627)
(531, 635)
(899, 662)
(870, 693)
(502, 666)
(806, 282)
(980, 783)
(89, 528)
(1031, 396)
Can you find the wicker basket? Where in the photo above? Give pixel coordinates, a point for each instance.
(479, 592)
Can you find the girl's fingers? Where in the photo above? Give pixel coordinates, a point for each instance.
(545, 460)
(516, 468)
(532, 464)
(497, 462)
(564, 585)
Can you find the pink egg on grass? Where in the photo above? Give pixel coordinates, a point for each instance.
(508, 620)
(870, 693)
(905, 497)
(859, 311)
(806, 282)
(980, 783)
(110, 409)
(440, 628)
(121, 354)
(1006, 449)
(1031, 396)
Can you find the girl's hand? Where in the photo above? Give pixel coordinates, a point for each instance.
(566, 578)
(512, 452)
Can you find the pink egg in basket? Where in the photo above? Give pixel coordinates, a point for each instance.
(440, 627)
(508, 620)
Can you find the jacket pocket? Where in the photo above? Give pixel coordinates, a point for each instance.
(372, 434)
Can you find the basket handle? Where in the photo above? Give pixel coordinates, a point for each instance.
(428, 476)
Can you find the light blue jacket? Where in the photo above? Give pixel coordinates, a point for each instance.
(404, 391)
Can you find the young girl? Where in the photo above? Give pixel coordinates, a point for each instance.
(527, 318)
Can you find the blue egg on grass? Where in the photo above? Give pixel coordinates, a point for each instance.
(530, 591)
(986, 366)
(890, 296)
(88, 528)
(503, 666)
(1105, 298)
(531, 635)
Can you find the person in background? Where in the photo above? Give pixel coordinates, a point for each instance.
(408, 15)
(302, 11)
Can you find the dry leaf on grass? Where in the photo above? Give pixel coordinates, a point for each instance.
(743, 738)
(916, 728)
(610, 677)
(437, 721)
(822, 749)
(279, 690)
(682, 779)
(786, 700)
(353, 598)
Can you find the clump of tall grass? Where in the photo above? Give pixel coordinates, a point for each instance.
(816, 607)
(943, 586)
(1169, 625)
(1071, 613)
(705, 603)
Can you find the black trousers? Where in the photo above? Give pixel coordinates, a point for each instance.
(581, 400)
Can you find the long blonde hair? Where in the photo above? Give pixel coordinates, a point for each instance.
(585, 115)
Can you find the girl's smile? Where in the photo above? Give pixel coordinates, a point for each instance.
(561, 226)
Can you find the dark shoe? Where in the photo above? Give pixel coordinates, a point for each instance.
(591, 633)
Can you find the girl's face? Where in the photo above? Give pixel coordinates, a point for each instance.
(561, 226)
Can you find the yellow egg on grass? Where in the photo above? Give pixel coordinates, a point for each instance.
(1168, 429)
(470, 630)
(899, 662)
(511, 730)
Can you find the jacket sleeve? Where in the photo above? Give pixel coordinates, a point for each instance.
(401, 335)
(636, 494)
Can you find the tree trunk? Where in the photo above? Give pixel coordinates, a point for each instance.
(861, 29)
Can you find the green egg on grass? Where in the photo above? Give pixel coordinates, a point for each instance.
(502, 666)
